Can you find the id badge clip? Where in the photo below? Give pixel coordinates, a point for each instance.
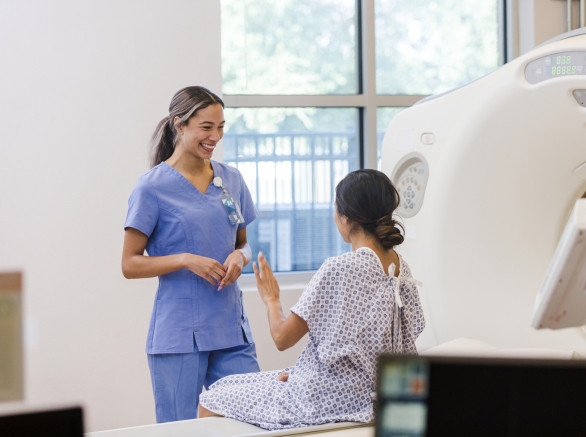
(231, 207)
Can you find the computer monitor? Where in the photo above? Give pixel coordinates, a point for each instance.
(22, 421)
(441, 396)
(561, 302)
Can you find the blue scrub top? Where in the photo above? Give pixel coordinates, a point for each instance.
(177, 218)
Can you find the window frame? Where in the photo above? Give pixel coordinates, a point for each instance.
(367, 101)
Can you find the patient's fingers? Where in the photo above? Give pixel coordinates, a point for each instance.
(265, 280)
(263, 264)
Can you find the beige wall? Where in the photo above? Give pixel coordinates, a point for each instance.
(540, 20)
(82, 85)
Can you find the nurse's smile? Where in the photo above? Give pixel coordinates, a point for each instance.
(208, 147)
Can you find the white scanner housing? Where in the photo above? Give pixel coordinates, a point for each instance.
(561, 302)
(489, 174)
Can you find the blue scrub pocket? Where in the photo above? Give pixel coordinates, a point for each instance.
(247, 332)
(173, 331)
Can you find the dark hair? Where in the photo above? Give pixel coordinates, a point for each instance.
(184, 104)
(368, 199)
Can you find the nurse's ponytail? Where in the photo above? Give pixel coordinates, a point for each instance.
(368, 199)
(185, 104)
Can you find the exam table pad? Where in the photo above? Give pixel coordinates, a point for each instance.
(224, 427)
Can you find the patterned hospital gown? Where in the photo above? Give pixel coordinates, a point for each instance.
(352, 309)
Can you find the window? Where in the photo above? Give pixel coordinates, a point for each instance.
(291, 169)
(384, 116)
(310, 88)
(431, 46)
(289, 47)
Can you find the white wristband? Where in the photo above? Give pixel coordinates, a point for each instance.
(247, 252)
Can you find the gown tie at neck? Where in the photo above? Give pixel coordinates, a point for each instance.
(398, 304)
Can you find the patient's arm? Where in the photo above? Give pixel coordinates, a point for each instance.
(286, 332)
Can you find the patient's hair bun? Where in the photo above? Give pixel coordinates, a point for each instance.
(368, 199)
(388, 232)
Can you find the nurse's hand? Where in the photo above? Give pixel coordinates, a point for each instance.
(208, 268)
(233, 266)
(266, 283)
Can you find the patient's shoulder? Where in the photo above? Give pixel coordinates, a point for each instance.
(332, 267)
(339, 262)
(347, 263)
(359, 261)
(405, 269)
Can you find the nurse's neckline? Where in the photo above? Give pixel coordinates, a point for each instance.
(215, 172)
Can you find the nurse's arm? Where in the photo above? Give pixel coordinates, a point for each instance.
(242, 246)
(136, 265)
(286, 331)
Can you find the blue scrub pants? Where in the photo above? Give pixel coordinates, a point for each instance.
(178, 378)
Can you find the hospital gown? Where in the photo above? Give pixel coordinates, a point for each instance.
(354, 312)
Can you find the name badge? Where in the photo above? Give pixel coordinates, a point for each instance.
(231, 207)
(233, 210)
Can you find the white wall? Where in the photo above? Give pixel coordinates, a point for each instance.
(82, 85)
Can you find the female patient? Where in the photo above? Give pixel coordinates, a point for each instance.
(357, 306)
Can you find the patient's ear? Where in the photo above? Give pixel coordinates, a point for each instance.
(343, 225)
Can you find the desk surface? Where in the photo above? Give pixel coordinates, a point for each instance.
(222, 427)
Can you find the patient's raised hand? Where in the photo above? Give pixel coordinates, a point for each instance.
(265, 280)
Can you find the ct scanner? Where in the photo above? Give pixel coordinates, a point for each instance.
(488, 174)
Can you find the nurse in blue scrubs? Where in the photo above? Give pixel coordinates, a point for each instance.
(190, 215)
